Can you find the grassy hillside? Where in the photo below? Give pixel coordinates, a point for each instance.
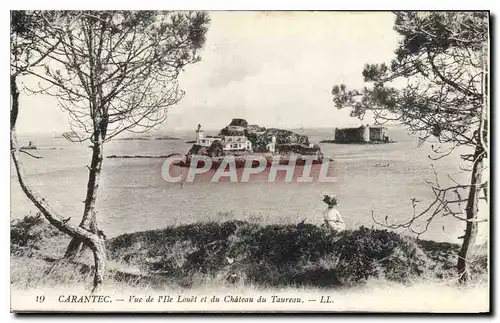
(237, 252)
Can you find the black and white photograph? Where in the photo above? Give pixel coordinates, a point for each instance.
(191, 161)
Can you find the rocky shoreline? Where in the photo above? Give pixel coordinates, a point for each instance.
(240, 161)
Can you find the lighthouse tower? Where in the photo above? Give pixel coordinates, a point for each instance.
(199, 134)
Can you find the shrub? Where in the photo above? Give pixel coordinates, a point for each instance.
(366, 253)
(270, 255)
(25, 234)
(275, 255)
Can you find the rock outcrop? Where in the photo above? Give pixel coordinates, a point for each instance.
(233, 131)
(197, 150)
(286, 136)
(253, 128)
(237, 127)
(239, 123)
(216, 149)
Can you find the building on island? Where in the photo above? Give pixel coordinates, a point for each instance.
(351, 135)
(378, 134)
(237, 143)
(229, 143)
(364, 133)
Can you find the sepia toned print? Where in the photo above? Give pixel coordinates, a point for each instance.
(225, 161)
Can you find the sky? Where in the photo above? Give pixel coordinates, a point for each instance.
(274, 69)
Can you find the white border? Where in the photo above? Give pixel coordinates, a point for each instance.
(199, 5)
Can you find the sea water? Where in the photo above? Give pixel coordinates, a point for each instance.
(378, 179)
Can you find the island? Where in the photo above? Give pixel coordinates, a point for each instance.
(30, 146)
(241, 139)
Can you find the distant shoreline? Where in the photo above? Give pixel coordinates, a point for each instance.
(357, 142)
(150, 138)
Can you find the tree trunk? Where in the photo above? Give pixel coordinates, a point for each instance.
(89, 219)
(99, 251)
(471, 215)
(14, 105)
(94, 241)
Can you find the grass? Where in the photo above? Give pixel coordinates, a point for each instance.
(239, 255)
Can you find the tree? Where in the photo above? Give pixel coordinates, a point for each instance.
(112, 71)
(116, 71)
(437, 86)
(26, 53)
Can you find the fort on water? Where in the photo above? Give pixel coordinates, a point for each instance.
(362, 134)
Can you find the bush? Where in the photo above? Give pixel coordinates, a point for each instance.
(276, 255)
(26, 234)
(269, 256)
(366, 253)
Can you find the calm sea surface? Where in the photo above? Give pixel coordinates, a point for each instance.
(134, 197)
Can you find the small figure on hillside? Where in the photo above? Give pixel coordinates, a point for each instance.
(331, 216)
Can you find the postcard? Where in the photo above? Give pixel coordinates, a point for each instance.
(250, 161)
